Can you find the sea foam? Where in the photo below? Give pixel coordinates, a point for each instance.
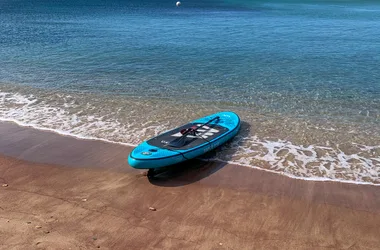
(83, 120)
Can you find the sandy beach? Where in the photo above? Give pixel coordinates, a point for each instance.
(59, 192)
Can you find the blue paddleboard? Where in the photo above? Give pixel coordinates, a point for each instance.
(185, 142)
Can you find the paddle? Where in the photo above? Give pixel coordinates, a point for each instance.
(180, 141)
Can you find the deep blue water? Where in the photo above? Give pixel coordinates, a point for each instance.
(239, 52)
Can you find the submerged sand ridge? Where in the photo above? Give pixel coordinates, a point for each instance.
(81, 194)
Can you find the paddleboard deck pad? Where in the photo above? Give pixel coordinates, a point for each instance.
(175, 146)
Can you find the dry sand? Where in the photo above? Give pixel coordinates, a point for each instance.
(65, 193)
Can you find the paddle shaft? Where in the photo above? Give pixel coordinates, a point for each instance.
(179, 142)
(204, 124)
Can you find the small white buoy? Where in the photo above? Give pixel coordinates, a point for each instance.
(178, 3)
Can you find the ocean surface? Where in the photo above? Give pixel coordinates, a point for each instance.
(304, 76)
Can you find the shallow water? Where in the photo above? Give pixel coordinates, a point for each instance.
(303, 77)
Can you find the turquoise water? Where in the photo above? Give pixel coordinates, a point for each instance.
(302, 75)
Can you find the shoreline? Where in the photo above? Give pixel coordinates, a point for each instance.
(47, 147)
(10, 123)
(64, 192)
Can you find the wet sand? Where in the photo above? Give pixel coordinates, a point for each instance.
(66, 193)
